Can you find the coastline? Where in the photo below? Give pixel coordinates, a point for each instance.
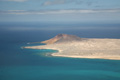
(89, 57)
(92, 48)
(57, 54)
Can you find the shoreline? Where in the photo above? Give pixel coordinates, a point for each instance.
(57, 54)
(90, 48)
(88, 57)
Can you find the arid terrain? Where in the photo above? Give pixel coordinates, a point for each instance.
(76, 47)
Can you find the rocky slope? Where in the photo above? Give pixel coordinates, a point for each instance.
(60, 38)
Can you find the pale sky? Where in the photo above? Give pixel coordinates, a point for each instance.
(60, 11)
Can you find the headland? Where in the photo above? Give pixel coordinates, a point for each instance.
(76, 47)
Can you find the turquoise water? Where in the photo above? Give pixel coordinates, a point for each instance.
(57, 73)
(28, 64)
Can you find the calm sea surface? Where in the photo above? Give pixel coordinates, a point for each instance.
(27, 64)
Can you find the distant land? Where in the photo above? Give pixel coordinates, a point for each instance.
(76, 47)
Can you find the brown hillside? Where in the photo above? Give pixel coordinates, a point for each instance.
(62, 38)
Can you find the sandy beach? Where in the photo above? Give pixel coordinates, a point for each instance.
(91, 48)
(92, 57)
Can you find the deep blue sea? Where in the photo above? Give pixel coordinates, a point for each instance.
(29, 64)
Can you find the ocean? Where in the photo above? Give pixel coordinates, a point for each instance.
(32, 64)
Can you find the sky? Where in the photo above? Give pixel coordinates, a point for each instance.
(99, 11)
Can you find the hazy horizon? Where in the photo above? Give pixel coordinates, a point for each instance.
(82, 11)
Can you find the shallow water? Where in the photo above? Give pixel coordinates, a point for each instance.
(28, 64)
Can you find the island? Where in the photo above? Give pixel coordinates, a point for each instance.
(76, 47)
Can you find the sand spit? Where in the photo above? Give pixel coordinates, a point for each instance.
(90, 48)
(92, 57)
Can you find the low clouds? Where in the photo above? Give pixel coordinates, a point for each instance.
(56, 2)
(68, 11)
(46, 3)
(15, 0)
